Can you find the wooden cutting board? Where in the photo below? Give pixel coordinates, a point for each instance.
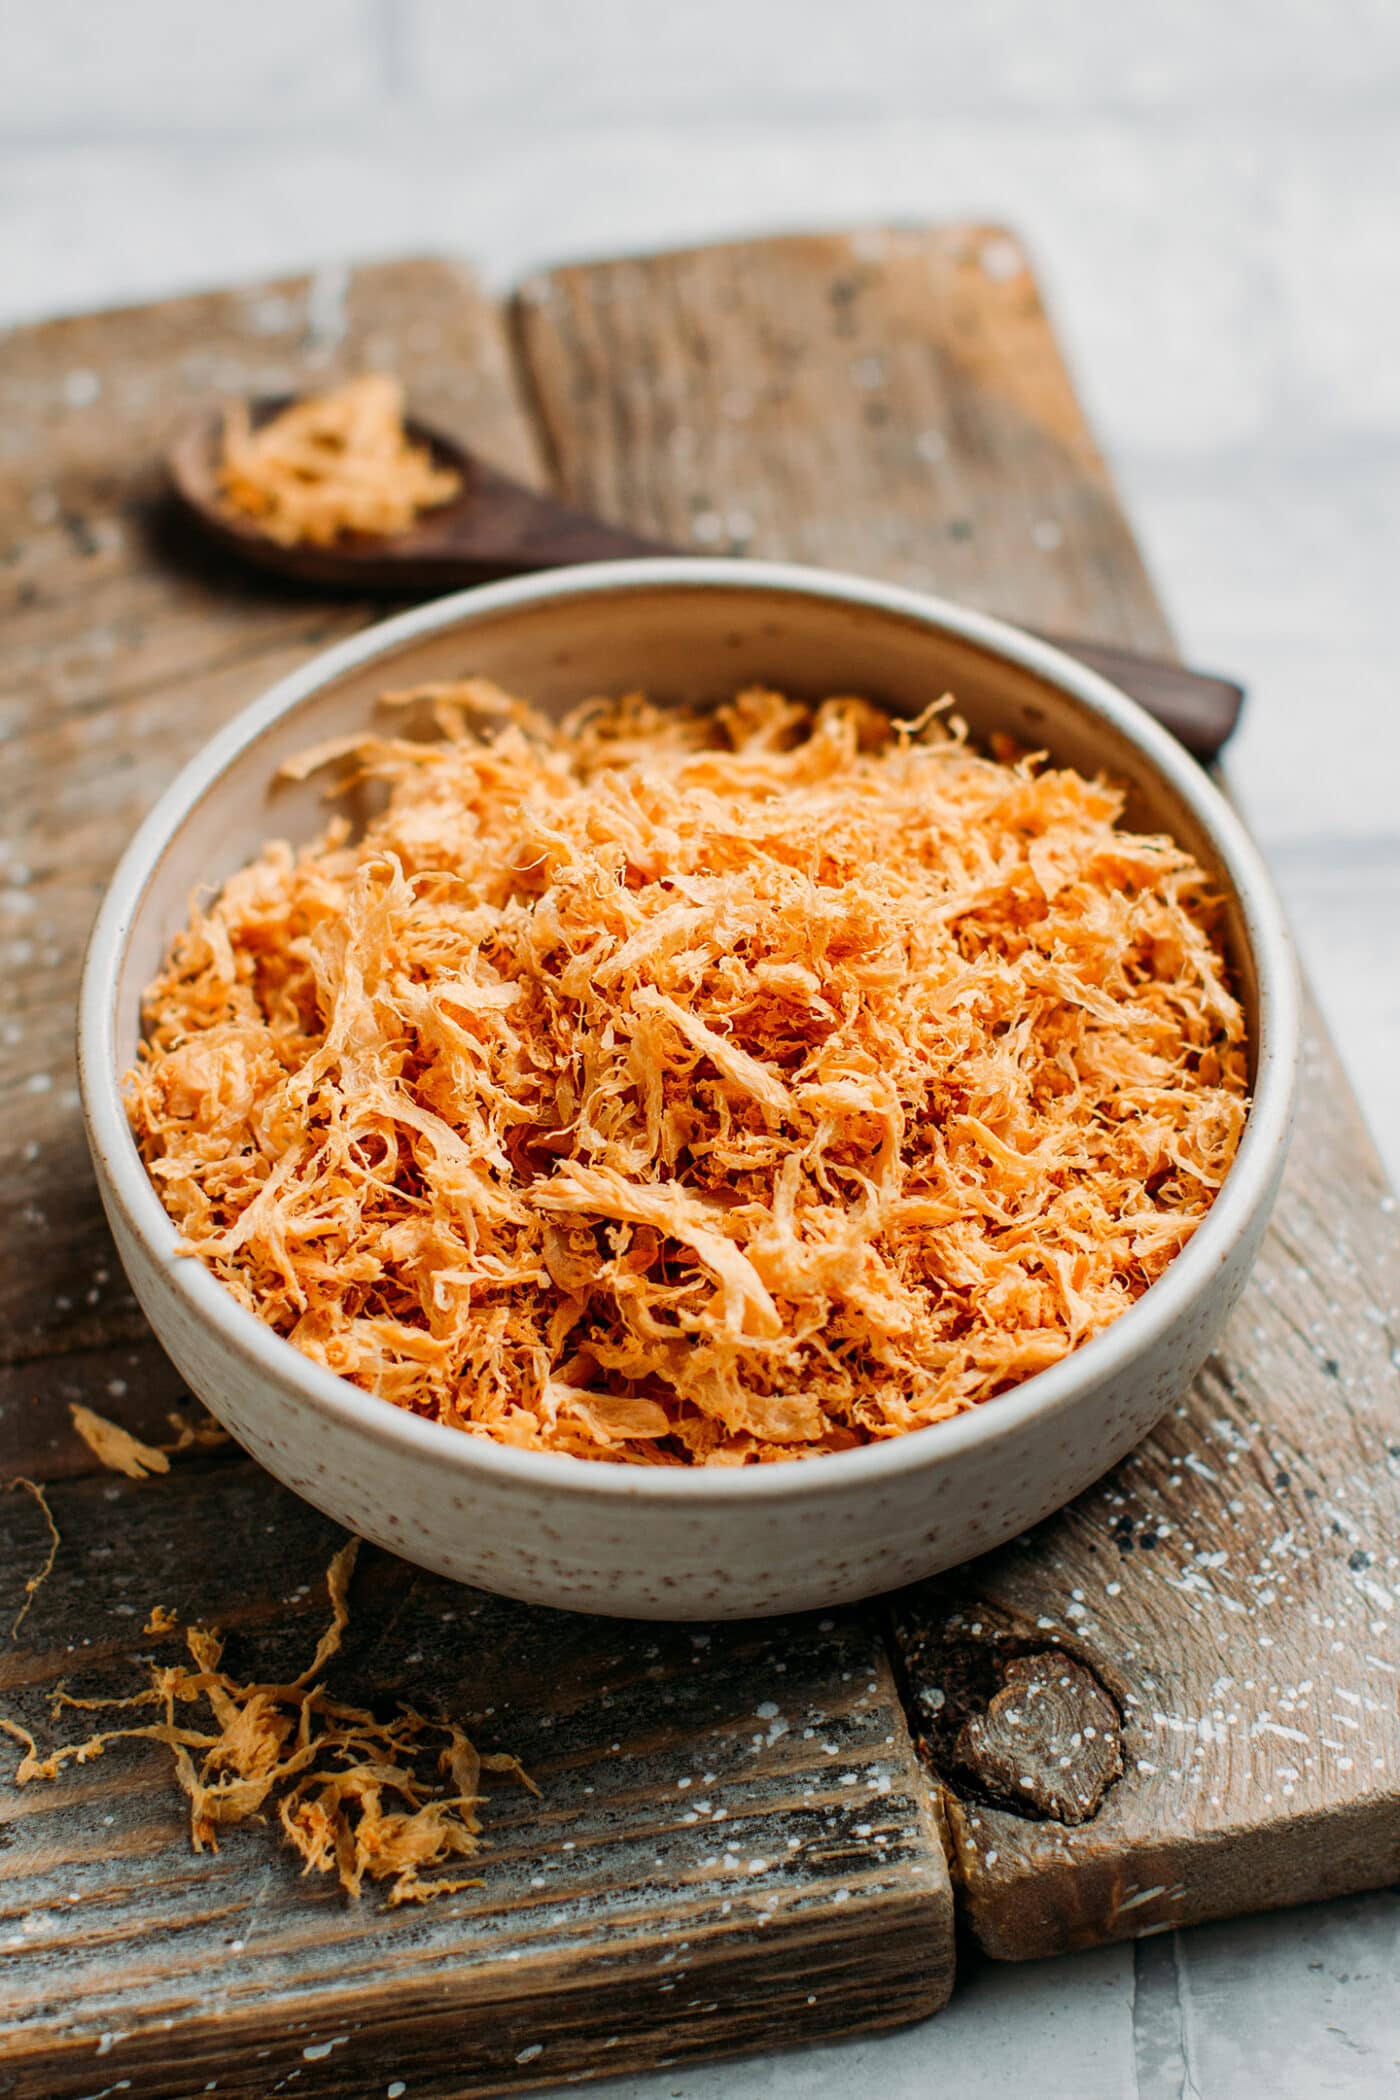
(741, 1834)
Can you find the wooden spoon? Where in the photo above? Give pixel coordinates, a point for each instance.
(497, 527)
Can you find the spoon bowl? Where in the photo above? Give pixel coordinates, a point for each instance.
(494, 526)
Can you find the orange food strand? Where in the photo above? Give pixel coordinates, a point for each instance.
(348, 1788)
(35, 1582)
(337, 464)
(695, 1088)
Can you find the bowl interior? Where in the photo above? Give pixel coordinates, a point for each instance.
(677, 641)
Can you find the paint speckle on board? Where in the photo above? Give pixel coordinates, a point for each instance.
(269, 314)
(1001, 260)
(326, 315)
(314, 2052)
(81, 388)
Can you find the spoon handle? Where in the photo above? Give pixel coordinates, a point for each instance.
(1200, 708)
(512, 529)
(498, 527)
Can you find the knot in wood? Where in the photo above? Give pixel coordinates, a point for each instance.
(1050, 1741)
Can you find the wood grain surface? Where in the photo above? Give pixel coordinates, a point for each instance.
(736, 1843)
(1220, 1611)
(733, 1843)
(125, 645)
(895, 403)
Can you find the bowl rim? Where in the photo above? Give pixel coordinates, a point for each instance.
(1247, 1185)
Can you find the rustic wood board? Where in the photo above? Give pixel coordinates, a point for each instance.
(736, 1843)
(894, 402)
(690, 1875)
(890, 402)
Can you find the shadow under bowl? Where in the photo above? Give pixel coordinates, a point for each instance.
(682, 1543)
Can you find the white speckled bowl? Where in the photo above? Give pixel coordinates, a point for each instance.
(620, 1539)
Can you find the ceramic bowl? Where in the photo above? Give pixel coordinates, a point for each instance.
(680, 1543)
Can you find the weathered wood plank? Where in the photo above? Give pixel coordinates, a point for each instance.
(889, 403)
(699, 1873)
(895, 403)
(133, 1383)
(620, 1925)
(1233, 1584)
(125, 646)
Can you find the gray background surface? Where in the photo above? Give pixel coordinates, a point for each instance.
(1212, 195)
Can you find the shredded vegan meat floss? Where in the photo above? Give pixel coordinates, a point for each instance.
(349, 1790)
(695, 1088)
(115, 1447)
(336, 464)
